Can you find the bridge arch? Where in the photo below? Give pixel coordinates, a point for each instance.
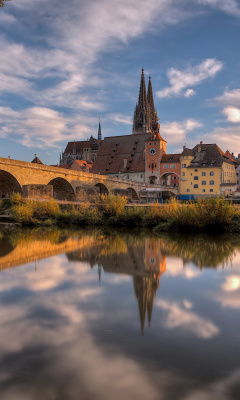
(132, 194)
(103, 189)
(62, 189)
(8, 184)
(165, 181)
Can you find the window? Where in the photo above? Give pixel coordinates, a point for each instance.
(211, 173)
(195, 170)
(127, 176)
(211, 190)
(165, 166)
(195, 178)
(195, 186)
(183, 165)
(183, 174)
(203, 190)
(174, 177)
(173, 166)
(211, 182)
(141, 175)
(203, 173)
(204, 182)
(188, 190)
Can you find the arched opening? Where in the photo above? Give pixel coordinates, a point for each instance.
(167, 195)
(132, 194)
(62, 190)
(152, 180)
(170, 179)
(8, 185)
(103, 189)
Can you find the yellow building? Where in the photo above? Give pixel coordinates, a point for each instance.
(206, 171)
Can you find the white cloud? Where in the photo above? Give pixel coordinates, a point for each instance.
(232, 114)
(181, 318)
(189, 93)
(175, 132)
(40, 127)
(229, 98)
(228, 6)
(191, 76)
(226, 138)
(122, 119)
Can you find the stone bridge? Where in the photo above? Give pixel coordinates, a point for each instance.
(16, 176)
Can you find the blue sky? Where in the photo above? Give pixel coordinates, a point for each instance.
(65, 64)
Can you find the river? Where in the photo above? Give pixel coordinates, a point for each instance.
(116, 314)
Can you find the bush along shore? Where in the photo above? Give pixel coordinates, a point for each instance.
(206, 215)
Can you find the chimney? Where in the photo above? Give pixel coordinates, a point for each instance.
(201, 142)
(184, 147)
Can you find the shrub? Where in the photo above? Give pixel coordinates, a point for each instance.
(110, 205)
(16, 198)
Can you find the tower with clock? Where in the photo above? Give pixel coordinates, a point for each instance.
(155, 147)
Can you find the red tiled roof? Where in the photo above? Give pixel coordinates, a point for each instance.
(229, 155)
(210, 156)
(79, 146)
(187, 152)
(37, 161)
(115, 149)
(170, 158)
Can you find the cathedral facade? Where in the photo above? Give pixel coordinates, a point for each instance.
(136, 157)
(85, 150)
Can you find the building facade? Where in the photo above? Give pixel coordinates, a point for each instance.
(206, 171)
(86, 150)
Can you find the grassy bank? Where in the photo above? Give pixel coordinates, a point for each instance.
(206, 215)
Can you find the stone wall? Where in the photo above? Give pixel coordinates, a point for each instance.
(37, 191)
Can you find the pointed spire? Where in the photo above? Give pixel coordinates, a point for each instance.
(99, 273)
(99, 131)
(142, 98)
(142, 119)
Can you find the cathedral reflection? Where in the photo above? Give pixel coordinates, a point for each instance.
(143, 260)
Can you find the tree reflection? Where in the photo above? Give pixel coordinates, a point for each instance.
(202, 250)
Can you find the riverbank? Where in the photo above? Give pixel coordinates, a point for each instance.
(206, 215)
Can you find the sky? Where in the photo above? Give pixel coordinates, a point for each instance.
(64, 65)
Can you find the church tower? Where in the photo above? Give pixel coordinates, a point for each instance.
(142, 114)
(155, 147)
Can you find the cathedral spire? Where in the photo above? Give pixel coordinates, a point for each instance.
(99, 131)
(142, 99)
(142, 119)
(153, 112)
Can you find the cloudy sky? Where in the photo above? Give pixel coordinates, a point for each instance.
(64, 65)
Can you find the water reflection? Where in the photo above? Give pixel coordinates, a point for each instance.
(65, 336)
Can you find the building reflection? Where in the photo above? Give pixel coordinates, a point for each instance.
(143, 260)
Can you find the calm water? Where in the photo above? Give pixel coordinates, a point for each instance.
(93, 315)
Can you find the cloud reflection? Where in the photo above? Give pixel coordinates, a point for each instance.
(179, 318)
